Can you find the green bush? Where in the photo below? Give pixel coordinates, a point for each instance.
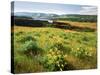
(31, 47)
(54, 60)
(81, 52)
(24, 38)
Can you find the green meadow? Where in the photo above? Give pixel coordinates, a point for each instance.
(43, 49)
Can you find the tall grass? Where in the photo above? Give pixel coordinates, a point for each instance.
(50, 49)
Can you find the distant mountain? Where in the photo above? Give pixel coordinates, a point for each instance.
(22, 14)
(45, 16)
(36, 15)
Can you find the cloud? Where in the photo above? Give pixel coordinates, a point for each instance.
(88, 7)
(55, 11)
(88, 10)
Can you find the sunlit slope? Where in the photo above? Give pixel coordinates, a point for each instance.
(76, 49)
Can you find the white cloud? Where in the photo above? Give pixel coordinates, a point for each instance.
(88, 10)
(88, 7)
(42, 11)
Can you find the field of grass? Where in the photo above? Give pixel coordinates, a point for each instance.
(42, 49)
(80, 24)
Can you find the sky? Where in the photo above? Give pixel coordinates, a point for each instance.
(36, 7)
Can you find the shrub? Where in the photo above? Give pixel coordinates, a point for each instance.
(24, 38)
(81, 52)
(19, 33)
(54, 60)
(31, 47)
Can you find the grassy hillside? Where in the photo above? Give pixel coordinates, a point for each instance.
(79, 18)
(39, 49)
